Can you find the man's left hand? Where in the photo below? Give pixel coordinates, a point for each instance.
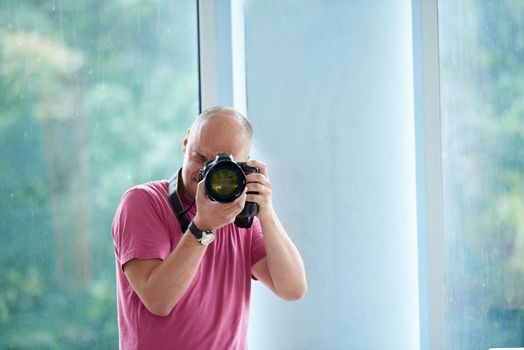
(259, 182)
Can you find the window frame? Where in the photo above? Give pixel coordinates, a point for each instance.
(429, 174)
(222, 53)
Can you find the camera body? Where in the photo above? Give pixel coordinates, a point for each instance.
(225, 180)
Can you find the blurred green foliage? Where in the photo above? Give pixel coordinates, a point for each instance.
(95, 97)
(482, 75)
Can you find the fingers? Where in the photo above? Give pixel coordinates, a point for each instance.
(256, 187)
(258, 178)
(236, 206)
(201, 189)
(239, 202)
(231, 213)
(257, 164)
(253, 198)
(258, 194)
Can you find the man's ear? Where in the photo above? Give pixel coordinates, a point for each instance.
(184, 143)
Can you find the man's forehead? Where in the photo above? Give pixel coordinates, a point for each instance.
(211, 148)
(223, 134)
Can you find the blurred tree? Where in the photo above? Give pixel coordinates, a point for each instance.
(482, 66)
(95, 97)
(55, 96)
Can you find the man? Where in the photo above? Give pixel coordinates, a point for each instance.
(178, 291)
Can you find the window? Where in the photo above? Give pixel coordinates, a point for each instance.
(94, 98)
(482, 73)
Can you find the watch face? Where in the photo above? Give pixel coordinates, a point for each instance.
(207, 238)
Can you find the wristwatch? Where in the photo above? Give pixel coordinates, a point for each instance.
(204, 237)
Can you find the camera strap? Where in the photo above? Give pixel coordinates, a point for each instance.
(176, 202)
(244, 222)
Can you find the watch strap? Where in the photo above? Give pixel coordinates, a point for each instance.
(198, 233)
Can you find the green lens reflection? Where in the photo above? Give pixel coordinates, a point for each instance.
(224, 182)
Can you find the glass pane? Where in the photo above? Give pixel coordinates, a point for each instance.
(482, 75)
(93, 98)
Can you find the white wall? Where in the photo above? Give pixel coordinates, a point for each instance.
(330, 95)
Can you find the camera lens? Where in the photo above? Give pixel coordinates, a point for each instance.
(224, 181)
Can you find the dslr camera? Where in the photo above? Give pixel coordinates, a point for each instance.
(225, 181)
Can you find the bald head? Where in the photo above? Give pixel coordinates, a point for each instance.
(229, 114)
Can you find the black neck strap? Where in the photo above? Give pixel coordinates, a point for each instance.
(176, 202)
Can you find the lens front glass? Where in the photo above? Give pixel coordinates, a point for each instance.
(224, 181)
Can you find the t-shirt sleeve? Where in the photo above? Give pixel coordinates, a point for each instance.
(258, 247)
(138, 231)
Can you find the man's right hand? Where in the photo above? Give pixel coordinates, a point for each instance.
(213, 215)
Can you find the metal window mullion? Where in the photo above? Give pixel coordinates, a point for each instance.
(429, 173)
(221, 53)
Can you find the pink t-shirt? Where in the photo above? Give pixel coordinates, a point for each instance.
(213, 313)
